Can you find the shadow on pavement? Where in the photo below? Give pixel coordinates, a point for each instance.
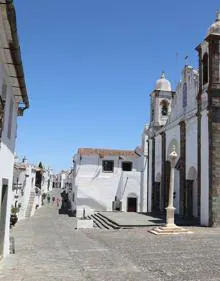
(159, 218)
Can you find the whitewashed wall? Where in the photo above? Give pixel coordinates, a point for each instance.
(149, 192)
(191, 159)
(144, 171)
(204, 212)
(173, 138)
(26, 178)
(7, 147)
(97, 189)
(132, 189)
(158, 158)
(191, 78)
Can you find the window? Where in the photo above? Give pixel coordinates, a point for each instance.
(108, 166)
(164, 108)
(205, 68)
(126, 166)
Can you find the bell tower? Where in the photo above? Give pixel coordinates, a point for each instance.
(161, 99)
(209, 102)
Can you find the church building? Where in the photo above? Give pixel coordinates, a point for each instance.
(188, 118)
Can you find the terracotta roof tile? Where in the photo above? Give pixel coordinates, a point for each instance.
(106, 152)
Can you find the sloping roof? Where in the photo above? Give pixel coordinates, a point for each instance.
(24, 166)
(106, 152)
(20, 166)
(15, 64)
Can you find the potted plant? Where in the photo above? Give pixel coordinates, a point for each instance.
(14, 217)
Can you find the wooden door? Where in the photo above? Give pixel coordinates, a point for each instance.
(188, 198)
(156, 197)
(131, 204)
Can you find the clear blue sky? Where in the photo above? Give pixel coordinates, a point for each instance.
(90, 66)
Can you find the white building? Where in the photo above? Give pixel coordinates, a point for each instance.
(47, 180)
(13, 101)
(189, 119)
(107, 179)
(44, 179)
(26, 196)
(61, 179)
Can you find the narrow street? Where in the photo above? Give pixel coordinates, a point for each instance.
(49, 248)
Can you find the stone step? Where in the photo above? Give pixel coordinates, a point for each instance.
(12, 245)
(96, 223)
(112, 224)
(30, 205)
(100, 222)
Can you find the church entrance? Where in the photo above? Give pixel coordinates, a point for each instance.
(131, 204)
(156, 197)
(167, 183)
(188, 199)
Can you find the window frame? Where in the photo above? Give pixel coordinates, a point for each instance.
(127, 162)
(108, 171)
(164, 104)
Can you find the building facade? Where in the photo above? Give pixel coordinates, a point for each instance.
(107, 179)
(188, 119)
(13, 102)
(26, 196)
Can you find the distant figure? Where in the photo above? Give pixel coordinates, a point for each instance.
(48, 198)
(58, 202)
(53, 199)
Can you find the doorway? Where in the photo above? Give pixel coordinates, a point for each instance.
(156, 197)
(4, 199)
(188, 199)
(131, 204)
(167, 183)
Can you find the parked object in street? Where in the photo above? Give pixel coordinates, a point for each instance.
(48, 198)
(14, 217)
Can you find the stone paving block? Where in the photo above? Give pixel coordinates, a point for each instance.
(49, 248)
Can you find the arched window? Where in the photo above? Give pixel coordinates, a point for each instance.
(205, 68)
(164, 108)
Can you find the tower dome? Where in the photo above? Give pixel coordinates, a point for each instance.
(163, 84)
(215, 27)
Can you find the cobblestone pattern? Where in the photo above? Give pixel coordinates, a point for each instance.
(49, 248)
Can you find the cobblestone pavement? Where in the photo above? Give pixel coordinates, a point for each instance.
(49, 248)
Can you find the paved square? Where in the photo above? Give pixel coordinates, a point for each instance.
(49, 248)
(130, 219)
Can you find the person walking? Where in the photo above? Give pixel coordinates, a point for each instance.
(58, 202)
(53, 199)
(48, 198)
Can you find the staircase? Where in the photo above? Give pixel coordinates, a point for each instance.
(30, 205)
(102, 222)
(12, 245)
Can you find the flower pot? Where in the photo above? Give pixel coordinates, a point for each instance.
(13, 219)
